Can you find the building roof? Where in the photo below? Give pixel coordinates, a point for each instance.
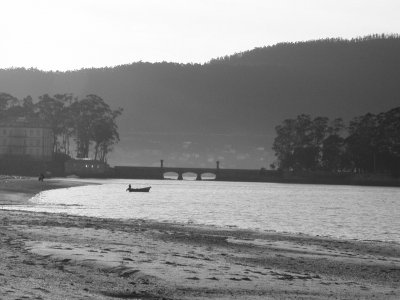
(28, 122)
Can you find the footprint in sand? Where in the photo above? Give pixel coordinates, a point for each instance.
(127, 259)
(122, 251)
(174, 264)
(42, 290)
(212, 278)
(128, 273)
(240, 279)
(28, 262)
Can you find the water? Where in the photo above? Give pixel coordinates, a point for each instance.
(350, 212)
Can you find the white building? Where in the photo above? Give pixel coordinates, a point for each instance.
(26, 138)
(85, 167)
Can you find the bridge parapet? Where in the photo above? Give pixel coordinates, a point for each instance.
(220, 174)
(197, 171)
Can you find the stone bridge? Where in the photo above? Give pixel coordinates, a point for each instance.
(197, 171)
(220, 174)
(159, 172)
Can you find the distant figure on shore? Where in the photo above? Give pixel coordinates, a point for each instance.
(129, 188)
(41, 177)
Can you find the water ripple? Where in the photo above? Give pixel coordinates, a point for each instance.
(367, 213)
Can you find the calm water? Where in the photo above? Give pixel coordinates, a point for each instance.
(367, 213)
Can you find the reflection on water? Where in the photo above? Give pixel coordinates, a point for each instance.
(339, 211)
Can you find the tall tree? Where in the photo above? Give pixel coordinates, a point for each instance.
(94, 121)
(388, 145)
(50, 109)
(105, 134)
(7, 101)
(299, 142)
(333, 148)
(362, 142)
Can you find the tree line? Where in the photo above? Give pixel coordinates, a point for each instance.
(323, 51)
(369, 143)
(80, 126)
(236, 94)
(248, 94)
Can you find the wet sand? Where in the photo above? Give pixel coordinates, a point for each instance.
(54, 256)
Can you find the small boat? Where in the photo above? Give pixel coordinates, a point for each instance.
(146, 189)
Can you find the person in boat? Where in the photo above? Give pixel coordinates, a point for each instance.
(129, 188)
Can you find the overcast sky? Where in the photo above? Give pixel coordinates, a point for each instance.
(74, 34)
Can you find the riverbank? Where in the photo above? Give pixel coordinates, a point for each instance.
(254, 175)
(16, 190)
(51, 256)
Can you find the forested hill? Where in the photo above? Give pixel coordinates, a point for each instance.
(227, 109)
(324, 53)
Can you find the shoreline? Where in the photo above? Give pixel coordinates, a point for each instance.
(24, 188)
(55, 256)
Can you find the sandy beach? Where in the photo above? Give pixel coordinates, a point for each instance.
(54, 256)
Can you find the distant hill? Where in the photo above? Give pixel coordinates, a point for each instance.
(192, 114)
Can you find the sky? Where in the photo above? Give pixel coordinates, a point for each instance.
(74, 34)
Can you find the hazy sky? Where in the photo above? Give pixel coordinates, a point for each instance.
(72, 34)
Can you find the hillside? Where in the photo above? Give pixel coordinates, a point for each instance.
(227, 109)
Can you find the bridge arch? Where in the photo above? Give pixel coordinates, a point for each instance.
(189, 175)
(170, 175)
(179, 175)
(208, 176)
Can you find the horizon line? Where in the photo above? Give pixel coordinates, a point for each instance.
(359, 37)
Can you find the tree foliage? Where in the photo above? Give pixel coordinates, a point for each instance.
(95, 122)
(370, 143)
(299, 143)
(89, 122)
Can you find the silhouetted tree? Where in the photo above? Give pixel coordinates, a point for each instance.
(371, 143)
(94, 121)
(51, 110)
(299, 142)
(6, 102)
(87, 120)
(362, 142)
(333, 148)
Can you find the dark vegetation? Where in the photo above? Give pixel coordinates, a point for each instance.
(79, 122)
(228, 108)
(370, 143)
